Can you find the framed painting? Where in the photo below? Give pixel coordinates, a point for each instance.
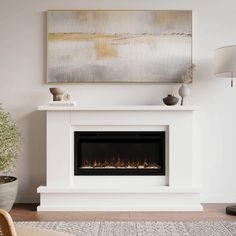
(118, 45)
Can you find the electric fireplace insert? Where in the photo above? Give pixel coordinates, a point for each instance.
(119, 153)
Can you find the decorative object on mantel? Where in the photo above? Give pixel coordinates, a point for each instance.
(60, 98)
(170, 100)
(225, 66)
(10, 140)
(57, 93)
(225, 62)
(184, 90)
(67, 97)
(99, 46)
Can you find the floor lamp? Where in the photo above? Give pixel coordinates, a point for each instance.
(225, 66)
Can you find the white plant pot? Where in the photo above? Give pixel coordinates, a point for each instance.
(8, 192)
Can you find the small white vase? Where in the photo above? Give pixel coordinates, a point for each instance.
(184, 91)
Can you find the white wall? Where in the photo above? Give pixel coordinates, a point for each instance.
(22, 87)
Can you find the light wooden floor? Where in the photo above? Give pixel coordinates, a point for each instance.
(27, 212)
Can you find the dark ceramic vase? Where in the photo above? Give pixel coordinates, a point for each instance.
(170, 100)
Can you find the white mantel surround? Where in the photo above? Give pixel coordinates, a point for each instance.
(173, 192)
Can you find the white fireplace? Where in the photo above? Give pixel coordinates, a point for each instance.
(174, 191)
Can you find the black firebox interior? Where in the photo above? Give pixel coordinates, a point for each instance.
(119, 153)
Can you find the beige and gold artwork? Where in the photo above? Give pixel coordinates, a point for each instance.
(118, 46)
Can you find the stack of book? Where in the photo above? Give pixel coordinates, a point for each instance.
(62, 103)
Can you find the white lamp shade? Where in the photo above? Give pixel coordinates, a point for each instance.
(225, 61)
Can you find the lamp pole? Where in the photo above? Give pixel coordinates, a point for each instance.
(232, 79)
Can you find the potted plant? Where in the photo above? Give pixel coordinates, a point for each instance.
(10, 139)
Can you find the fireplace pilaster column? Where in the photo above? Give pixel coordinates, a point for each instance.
(59, 168)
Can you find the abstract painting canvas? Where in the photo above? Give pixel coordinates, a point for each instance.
(118, 45)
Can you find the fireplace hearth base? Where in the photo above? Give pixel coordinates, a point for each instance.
(145, 199)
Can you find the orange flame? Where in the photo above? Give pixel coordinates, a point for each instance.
(117, 162)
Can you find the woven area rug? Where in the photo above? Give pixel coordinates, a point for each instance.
(137, 228)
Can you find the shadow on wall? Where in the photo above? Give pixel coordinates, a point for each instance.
(31, 167)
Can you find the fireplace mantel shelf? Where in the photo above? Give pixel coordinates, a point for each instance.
(118, 108)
